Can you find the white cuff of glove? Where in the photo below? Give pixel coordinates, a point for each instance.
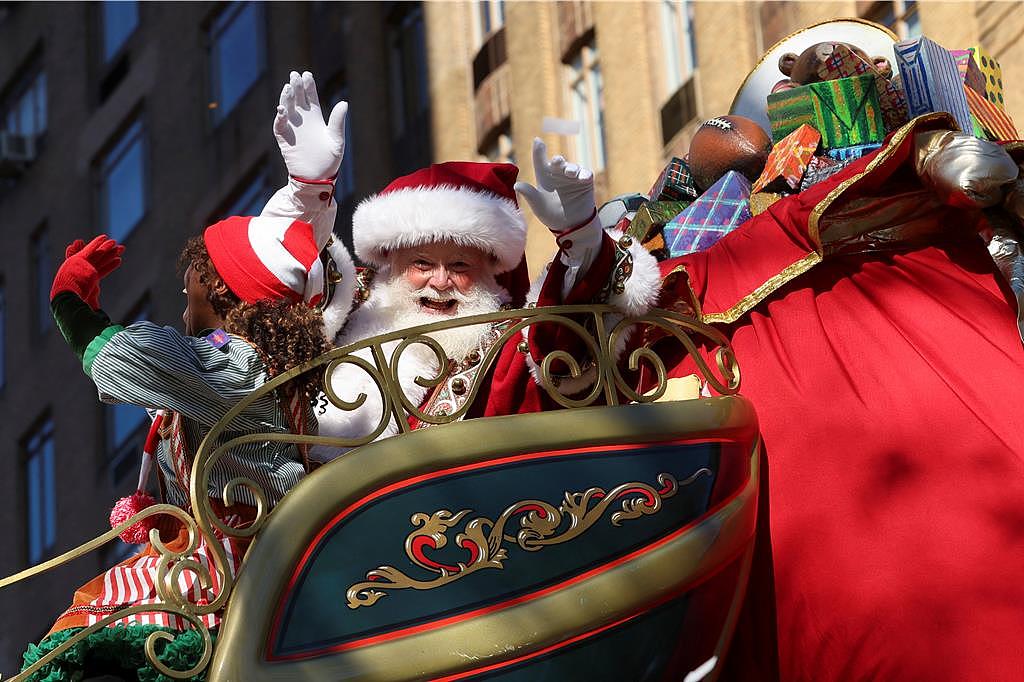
(578, 247)
(308, 200)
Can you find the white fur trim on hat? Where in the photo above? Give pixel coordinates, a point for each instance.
(422, 215)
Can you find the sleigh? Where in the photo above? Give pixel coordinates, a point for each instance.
(609, 539)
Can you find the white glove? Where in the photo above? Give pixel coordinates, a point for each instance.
(566, 195)
(312, 150)
(565, 201)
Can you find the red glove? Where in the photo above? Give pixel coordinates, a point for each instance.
(84, 266)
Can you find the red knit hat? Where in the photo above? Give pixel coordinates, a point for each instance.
(471, 204)
(266, 259)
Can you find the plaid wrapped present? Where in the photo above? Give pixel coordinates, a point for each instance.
(651, 217)
(992, 120)
(760, 201)
(675, 183)
(845, 111)
(720, 210)
(788, 159)
(970, 74)
(821, 168)
(931, 80)
(852, 153)
(845, 63)
(993, 74)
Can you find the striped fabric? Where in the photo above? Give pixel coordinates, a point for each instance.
(133, 583)
(993, 120)
(931, 80)
(159, 368)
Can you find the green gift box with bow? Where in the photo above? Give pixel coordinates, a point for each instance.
(845, 111)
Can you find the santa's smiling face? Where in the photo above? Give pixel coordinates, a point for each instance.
(442, 274)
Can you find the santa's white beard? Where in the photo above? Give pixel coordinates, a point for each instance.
(398, 306)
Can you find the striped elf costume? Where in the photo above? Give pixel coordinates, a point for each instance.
(193, 380)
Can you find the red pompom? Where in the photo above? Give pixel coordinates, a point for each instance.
(126, 507)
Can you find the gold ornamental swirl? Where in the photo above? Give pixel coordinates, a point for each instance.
(540, 525)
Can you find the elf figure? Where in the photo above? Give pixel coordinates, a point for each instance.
(251, 287)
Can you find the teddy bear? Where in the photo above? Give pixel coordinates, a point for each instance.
(805, 68)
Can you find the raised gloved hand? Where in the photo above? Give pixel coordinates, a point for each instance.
(564, 196)
(312, 149)
(84, 266)
(964, 171)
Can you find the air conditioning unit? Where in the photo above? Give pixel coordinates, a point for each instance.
(16, 151)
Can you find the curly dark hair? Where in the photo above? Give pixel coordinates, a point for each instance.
(285, 334)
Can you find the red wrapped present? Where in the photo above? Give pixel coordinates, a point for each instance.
(788, 160)
(992, 119)
(845, 63)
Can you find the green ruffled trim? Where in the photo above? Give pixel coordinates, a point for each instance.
(96, 345)
(119, 650)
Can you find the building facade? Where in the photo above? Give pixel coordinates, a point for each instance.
(148, 121)
(640, 76)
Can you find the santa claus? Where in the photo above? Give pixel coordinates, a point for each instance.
(443, 242)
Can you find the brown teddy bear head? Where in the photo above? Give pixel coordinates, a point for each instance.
(803, 68)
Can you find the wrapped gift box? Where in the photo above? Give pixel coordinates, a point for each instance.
(931, 80)
(675, 183)
(845, 63)
(992, 73)
(845, 111)
(788, 159)
(651, 217)
(970, 74)
(720, 210)
(991, 119)
(852, 153)
(821, 168)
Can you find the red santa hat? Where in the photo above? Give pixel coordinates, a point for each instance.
(267, 259)
(471, 204)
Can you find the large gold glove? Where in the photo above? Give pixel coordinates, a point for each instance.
(962, 170)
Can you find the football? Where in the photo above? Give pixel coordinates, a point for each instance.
(726, 143)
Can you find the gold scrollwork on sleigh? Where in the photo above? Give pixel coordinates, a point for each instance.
(540, 525)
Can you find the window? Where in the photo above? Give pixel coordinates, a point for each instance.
(126, 424)
(899, 15)
(42, 276)
(120, 18)
(491, 15)
(587, 106)
(408, 72)
(40, 491)
(345, 186)
(3, 335)
(680, 42)
(501, 150)
(237, 58)
(122, 184)
(24, 112)
(253, 197)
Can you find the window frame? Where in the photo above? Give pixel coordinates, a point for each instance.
(590, 146)
(42, 428)
(216, 27)
(22, 86)
(118, 146)
(42, 278)
(106, 59)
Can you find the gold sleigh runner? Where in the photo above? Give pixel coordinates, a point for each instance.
(610, 387)
(484, 539)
